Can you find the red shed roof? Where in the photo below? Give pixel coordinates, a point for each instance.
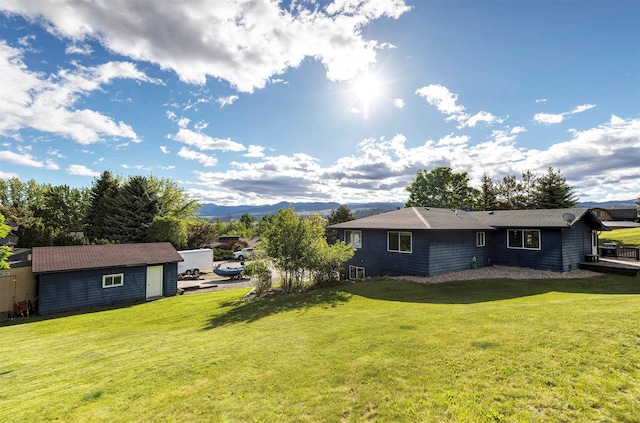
(83, 257)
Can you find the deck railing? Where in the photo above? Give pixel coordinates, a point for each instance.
(621, 252)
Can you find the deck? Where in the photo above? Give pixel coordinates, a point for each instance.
(615, 266)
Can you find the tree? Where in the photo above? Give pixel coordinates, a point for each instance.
(132, 211)
(169, 229)
(5, 251)
(508, 193)
(441, 188)
(200, 234)
(173, 200)
(63, 209)
(341, 214)
(101, 198)
(553, 191)
(247, 220)
(488, 198)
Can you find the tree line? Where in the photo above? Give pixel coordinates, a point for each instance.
(443, 188)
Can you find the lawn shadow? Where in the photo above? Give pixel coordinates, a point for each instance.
(484, 290)
(250, 311)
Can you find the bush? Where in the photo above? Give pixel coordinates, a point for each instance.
(221, 255)
(260, 276)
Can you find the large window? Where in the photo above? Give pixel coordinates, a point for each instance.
(527, 239)
(480, 239)
(356, 272)
(399, 241)
(109, 281)
(354, 238)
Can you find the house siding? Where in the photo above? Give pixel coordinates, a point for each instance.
(78, 290)
(548, 257)
(454, 251)
(577, 244)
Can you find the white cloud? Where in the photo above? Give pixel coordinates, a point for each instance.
(48, 103)
(205, 142)
(485, 117)
(244, 43)
(226, 101)
(398, 102)
(204, 159)
(164, 149)
(81, 170)
(440, 96)
(255, 151)
(8, 175)
(21, 159)
(551, 119)
(79, 48)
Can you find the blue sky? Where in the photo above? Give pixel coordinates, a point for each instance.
(257, 102)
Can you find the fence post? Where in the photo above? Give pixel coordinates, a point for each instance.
(638, 253)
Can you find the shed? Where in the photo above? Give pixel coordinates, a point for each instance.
(83, 276)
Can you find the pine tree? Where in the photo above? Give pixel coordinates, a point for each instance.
(553, 191)
(488, 199)
(133, 211)
(341, 214)
(102, 195)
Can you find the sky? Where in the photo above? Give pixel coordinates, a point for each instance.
(252, 102)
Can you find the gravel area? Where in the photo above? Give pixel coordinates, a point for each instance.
(499, 272)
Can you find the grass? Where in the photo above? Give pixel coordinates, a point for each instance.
(477, 351)
(626, 237)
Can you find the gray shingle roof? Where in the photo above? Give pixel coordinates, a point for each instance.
(82, 257)
(417, 218)
(422, 218)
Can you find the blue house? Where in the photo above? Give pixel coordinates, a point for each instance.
(83, 276)
(425, 241)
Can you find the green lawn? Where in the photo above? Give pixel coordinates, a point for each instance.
(493, 350)
(629, 237)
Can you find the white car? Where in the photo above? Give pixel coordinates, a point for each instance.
(245, 253)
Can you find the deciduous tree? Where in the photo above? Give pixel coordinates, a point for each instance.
(441, 188)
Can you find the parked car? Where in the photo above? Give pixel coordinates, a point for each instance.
(245, 253)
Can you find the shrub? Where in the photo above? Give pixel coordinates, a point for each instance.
(260, 276)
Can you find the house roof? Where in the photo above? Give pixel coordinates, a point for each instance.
(620, 213)
(84, 257)
(422, 218)
(417, 218)
(541, 218)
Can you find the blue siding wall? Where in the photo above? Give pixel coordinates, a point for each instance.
(454, 251)
(377, 261)
(548, 257)
(577, 244)
(78, 290)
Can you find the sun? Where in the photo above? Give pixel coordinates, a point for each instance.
(366, 90)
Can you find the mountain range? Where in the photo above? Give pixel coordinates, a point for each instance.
(213, 211)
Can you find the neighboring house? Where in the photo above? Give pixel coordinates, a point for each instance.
(428, 241)
(618, 217)
(16, 283)
(82, 276)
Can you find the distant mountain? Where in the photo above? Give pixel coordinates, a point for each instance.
(213, 211)
(608, 204)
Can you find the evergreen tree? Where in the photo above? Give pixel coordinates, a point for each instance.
(101, 197)
(132, 211)
(341, 214)
(553, 192)
(488, 199)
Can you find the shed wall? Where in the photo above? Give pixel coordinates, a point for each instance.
(20, 283)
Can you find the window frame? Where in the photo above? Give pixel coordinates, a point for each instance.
(524, 244)
(356, 270)
(400, 235)
(348, 239)
(112, 276)
(481, 239)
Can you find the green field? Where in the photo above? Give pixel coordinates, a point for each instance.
(478, 351)
(623, 237)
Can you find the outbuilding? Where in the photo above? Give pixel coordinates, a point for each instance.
(83, 276)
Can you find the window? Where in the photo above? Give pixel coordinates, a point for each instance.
(356, 272)
(523, 239)
(480, 239)
(109, 281)
(399, 241)
(354, 238)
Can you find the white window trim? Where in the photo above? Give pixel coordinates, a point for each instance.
(356, 270)
(481, 239)
(400, 233)
(104, 279)
(347, 238)
(524, 231)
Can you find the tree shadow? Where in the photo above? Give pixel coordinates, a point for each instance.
(250, 311)
(485, 290)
